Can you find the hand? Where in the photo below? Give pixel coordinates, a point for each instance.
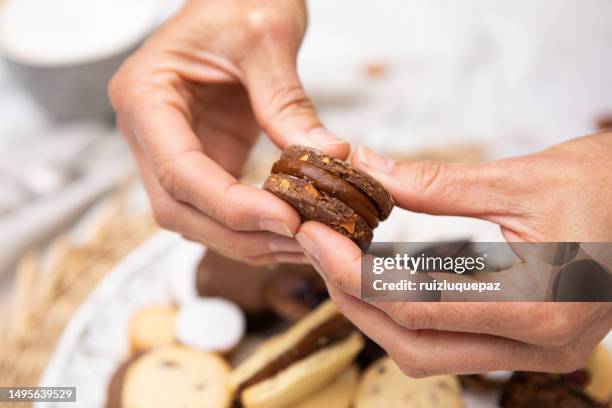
(561, 194)
(191, 103)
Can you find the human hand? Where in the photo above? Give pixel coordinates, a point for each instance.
(191, 103)
(561, 194)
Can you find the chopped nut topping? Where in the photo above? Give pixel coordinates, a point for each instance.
(349, 224)
(311, 190)
(304, 157)
(284, 184)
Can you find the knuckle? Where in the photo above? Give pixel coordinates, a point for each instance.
(164, 213)
(288, 99)
(558, 330)
(408, 316)
(411, 365)
(166, 175)
(336, 279)
(227, 210)
(121, 86)
(429, 175)
(265, 21)
(116, 91)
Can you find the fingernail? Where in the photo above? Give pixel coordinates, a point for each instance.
(375, 161)
(308, 245)
(321, 137)
(276, 226)
(284, 244)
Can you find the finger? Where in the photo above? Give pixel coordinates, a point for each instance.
(282, 107)
(485, 191)
(278, 258)
(176, 216)
(422, 353)
(339, 261)
(336, 257)
(188, 175)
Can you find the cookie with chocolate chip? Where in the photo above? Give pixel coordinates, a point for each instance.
(384, 385)
(322, 188)
(170, 376)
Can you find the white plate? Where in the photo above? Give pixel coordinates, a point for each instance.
(95, 341)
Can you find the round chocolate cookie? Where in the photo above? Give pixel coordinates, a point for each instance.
(358, 178)
(322, 188)
(316, 205)
(543, 390)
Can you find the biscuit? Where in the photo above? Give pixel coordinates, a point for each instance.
(384, 385)
(337, 394)
(291, 366)
(152, 326)
(543, 390)
(170, 376)
(330, 191)
(360, 179)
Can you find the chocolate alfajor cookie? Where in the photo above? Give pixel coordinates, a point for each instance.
(322, 188)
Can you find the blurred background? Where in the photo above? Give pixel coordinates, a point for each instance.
(452, 80)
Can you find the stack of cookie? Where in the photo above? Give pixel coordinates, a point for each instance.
(331, 191)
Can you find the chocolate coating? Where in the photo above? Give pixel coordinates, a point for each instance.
(329, 332)
(541, 390)
(332, 185)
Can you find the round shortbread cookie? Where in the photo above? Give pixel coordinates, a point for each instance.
(210, 324)
(338, 394)
(384, 385)
(152, 326)
(171, 376)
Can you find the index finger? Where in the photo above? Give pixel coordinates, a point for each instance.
(184, 170)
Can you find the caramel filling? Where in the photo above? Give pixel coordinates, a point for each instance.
(332, 185)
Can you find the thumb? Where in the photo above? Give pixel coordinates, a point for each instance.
(285, 112)
(474, 190)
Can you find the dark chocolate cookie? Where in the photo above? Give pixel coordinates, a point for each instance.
(363, 181)
(330, 191)
(315, 205)
(542, 390)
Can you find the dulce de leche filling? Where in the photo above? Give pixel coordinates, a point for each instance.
(332, 185)
(331, 331)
